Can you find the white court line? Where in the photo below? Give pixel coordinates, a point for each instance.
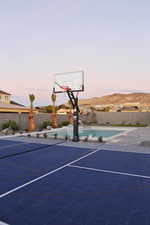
(2, 223)
(109, 171)
(47, 174)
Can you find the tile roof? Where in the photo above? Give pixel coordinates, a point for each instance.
(4, 93)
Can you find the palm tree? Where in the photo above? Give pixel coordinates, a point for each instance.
(70, 116)
(54, 118)
(31, 117)
(53, 97)
(31, 98)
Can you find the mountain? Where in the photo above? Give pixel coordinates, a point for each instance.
(141, 98)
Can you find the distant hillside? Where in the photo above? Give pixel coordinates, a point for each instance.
(142, 98)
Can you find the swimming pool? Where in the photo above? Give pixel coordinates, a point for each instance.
(90, 132)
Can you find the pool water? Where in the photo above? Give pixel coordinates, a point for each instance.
(86, 132)
(98, 133)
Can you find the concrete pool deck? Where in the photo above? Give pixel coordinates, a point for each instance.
(137, 140)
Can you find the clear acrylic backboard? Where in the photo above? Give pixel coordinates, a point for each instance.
(72, 81)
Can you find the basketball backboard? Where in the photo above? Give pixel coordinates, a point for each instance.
(72, 81)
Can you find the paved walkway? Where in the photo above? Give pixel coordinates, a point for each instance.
(137, 140)
(134, 137)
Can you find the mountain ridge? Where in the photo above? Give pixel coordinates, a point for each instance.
(118, 98)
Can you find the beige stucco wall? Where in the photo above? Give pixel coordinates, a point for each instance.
(22, 119)
(100, 118)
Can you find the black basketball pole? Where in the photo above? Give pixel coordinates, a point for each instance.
(74, 102)
(76, 123)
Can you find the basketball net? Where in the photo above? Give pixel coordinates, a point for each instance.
(65, 88)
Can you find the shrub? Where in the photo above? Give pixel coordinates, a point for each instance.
(45, 124)
(100, 139)
(55, 135)
(45, 135)
(66, 137)
(129, 125)
(64, 123)
(37, 135)
(86, 139)
(10, 124)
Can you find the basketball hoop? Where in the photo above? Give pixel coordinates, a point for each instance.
(68, 83)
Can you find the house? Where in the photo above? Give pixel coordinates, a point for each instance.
(8, 106)
(4, 97)
(64, 111)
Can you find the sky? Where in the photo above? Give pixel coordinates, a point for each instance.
(108, 40)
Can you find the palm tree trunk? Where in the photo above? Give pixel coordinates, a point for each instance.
(53, 115)
(31, 125)
(70, 116)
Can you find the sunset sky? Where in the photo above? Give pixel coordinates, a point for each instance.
(109, 40)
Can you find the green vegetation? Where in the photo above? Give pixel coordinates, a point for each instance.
(100, 139)
(10, 124)
(105, 109)
(64, 123)
(128, 125)
(45, 124)
(49, 108)
(46, 109)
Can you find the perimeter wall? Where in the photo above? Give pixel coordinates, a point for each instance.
(100, 118)
(22, 119)
(118, 118)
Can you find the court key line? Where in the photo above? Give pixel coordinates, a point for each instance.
(47, 174)
(109, 171)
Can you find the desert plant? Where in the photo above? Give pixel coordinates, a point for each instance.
(45, 135)
(45, 124)
(55, 135)
(31, 98)
(64, 123)
(86, 139)
(5, 125)
(37, 135)
(100, 139)
(66, 137)
(10, 124)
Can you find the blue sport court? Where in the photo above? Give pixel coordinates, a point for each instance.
(43, 184)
